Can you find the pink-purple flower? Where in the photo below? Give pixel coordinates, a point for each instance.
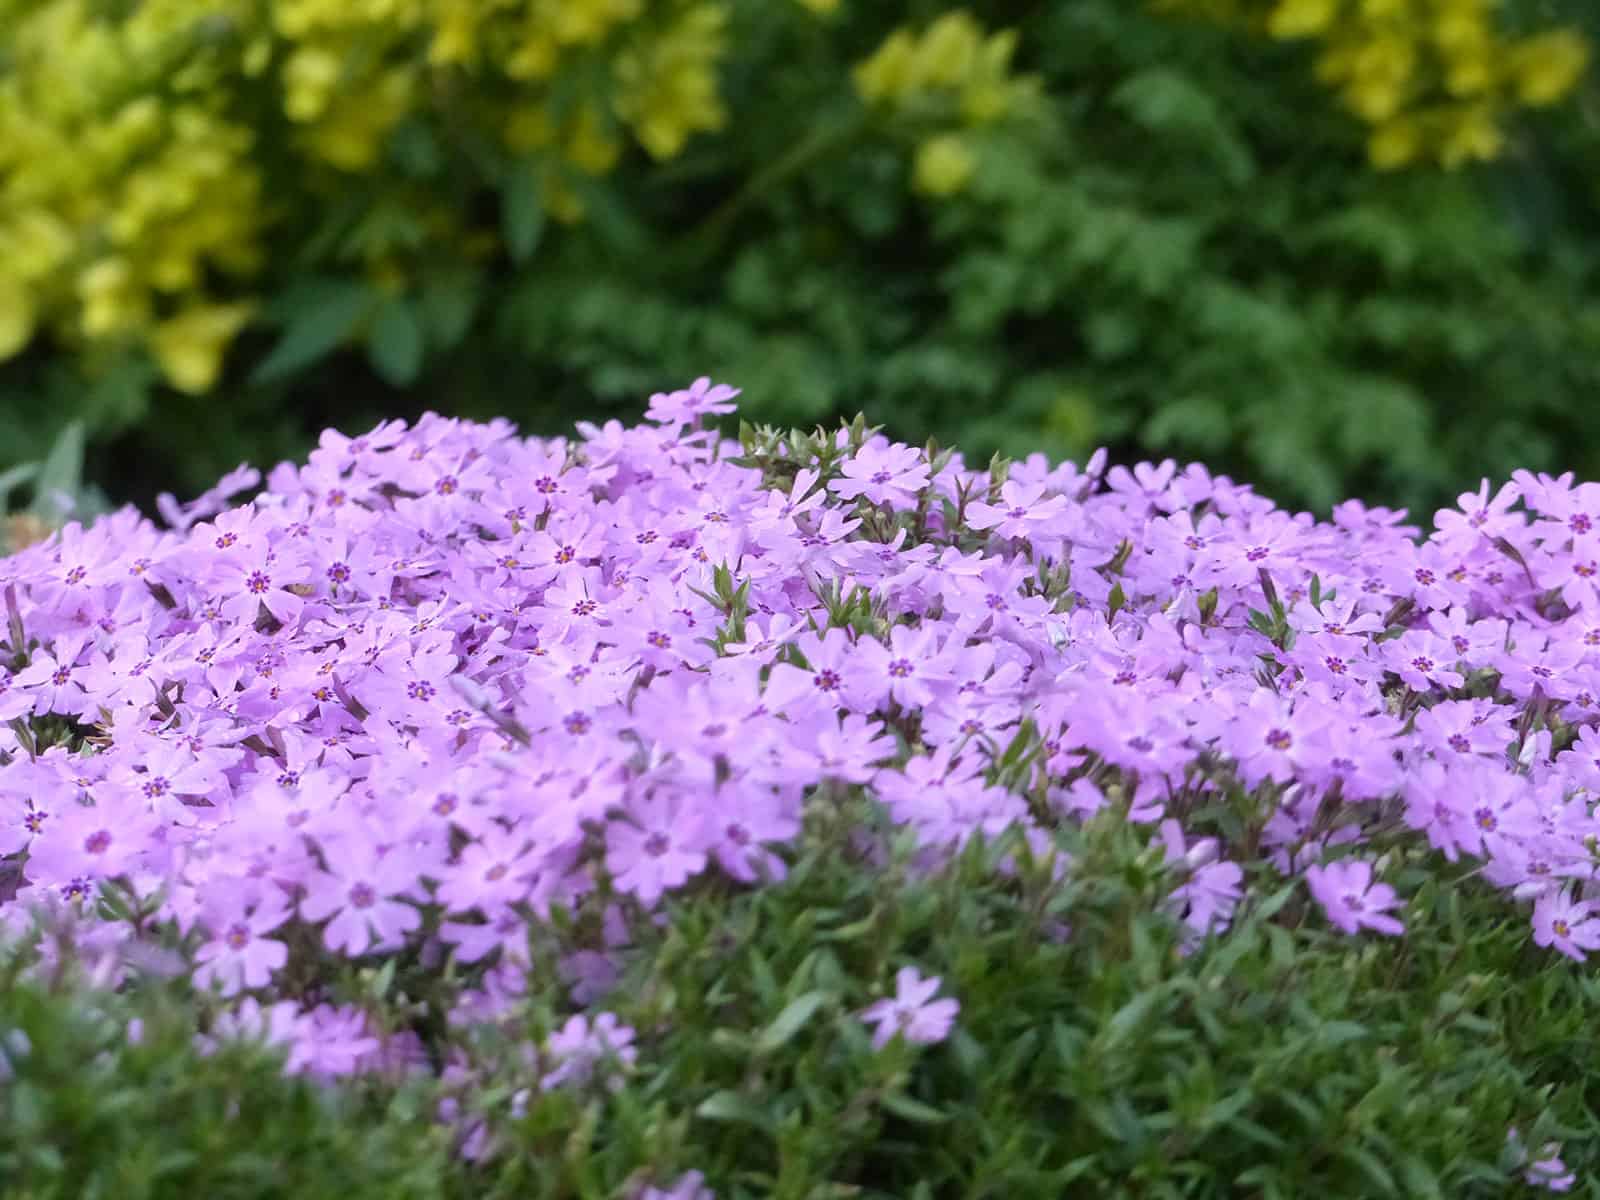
(1351, 900)
(911, 1013)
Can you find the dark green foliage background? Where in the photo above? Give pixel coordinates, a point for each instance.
(1185, 253)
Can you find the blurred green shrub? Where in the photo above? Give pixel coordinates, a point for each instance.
(225, 224)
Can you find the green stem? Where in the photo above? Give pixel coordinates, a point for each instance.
(824, 141)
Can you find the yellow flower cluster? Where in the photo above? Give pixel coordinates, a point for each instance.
(125, 187)
(135, 204)
(1434, 79)
(951, 74)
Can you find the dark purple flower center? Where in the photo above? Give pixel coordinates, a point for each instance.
(656, 845)
(362, 895)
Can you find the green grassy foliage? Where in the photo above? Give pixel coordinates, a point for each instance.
(1281, 1060)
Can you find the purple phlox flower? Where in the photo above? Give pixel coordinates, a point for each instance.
(14, 701)
(913, 668)
(848, 749)
(51, 678)
(82, 844)
(1146, 483)
(1565, 923)
(765, 637)
(702, 398)
(1547, 1172)
(238, 956)
(883, 474)
(1268, 738)
(1023, 511)
(911, 1013)
(660, 846)
(361, 891)
(1478, 517)
(1211, 889)
(1351, 900)
(580, 1050)
(1423, 660)
(690, 1186)
(780, 511)
(491, 871)
(1352, 619)
(589, 974)
(208, 503)
(756, 816)
(1339, 663)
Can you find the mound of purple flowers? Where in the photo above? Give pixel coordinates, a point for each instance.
(442, 677)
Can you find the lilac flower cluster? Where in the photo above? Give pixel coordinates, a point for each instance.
(441, 678)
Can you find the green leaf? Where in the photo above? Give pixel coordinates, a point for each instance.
(522, 214)
(447, 303)
(1127, 1019)
(395, 343)
(60, 477)
(913, 1110)
(1370, 1166)
(320, 316)
(791, 1020)
(733, 1108)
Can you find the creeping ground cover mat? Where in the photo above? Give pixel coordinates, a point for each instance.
(447, 717)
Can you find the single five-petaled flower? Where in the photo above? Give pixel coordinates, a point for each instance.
(1352, 901)
(912, 1012)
